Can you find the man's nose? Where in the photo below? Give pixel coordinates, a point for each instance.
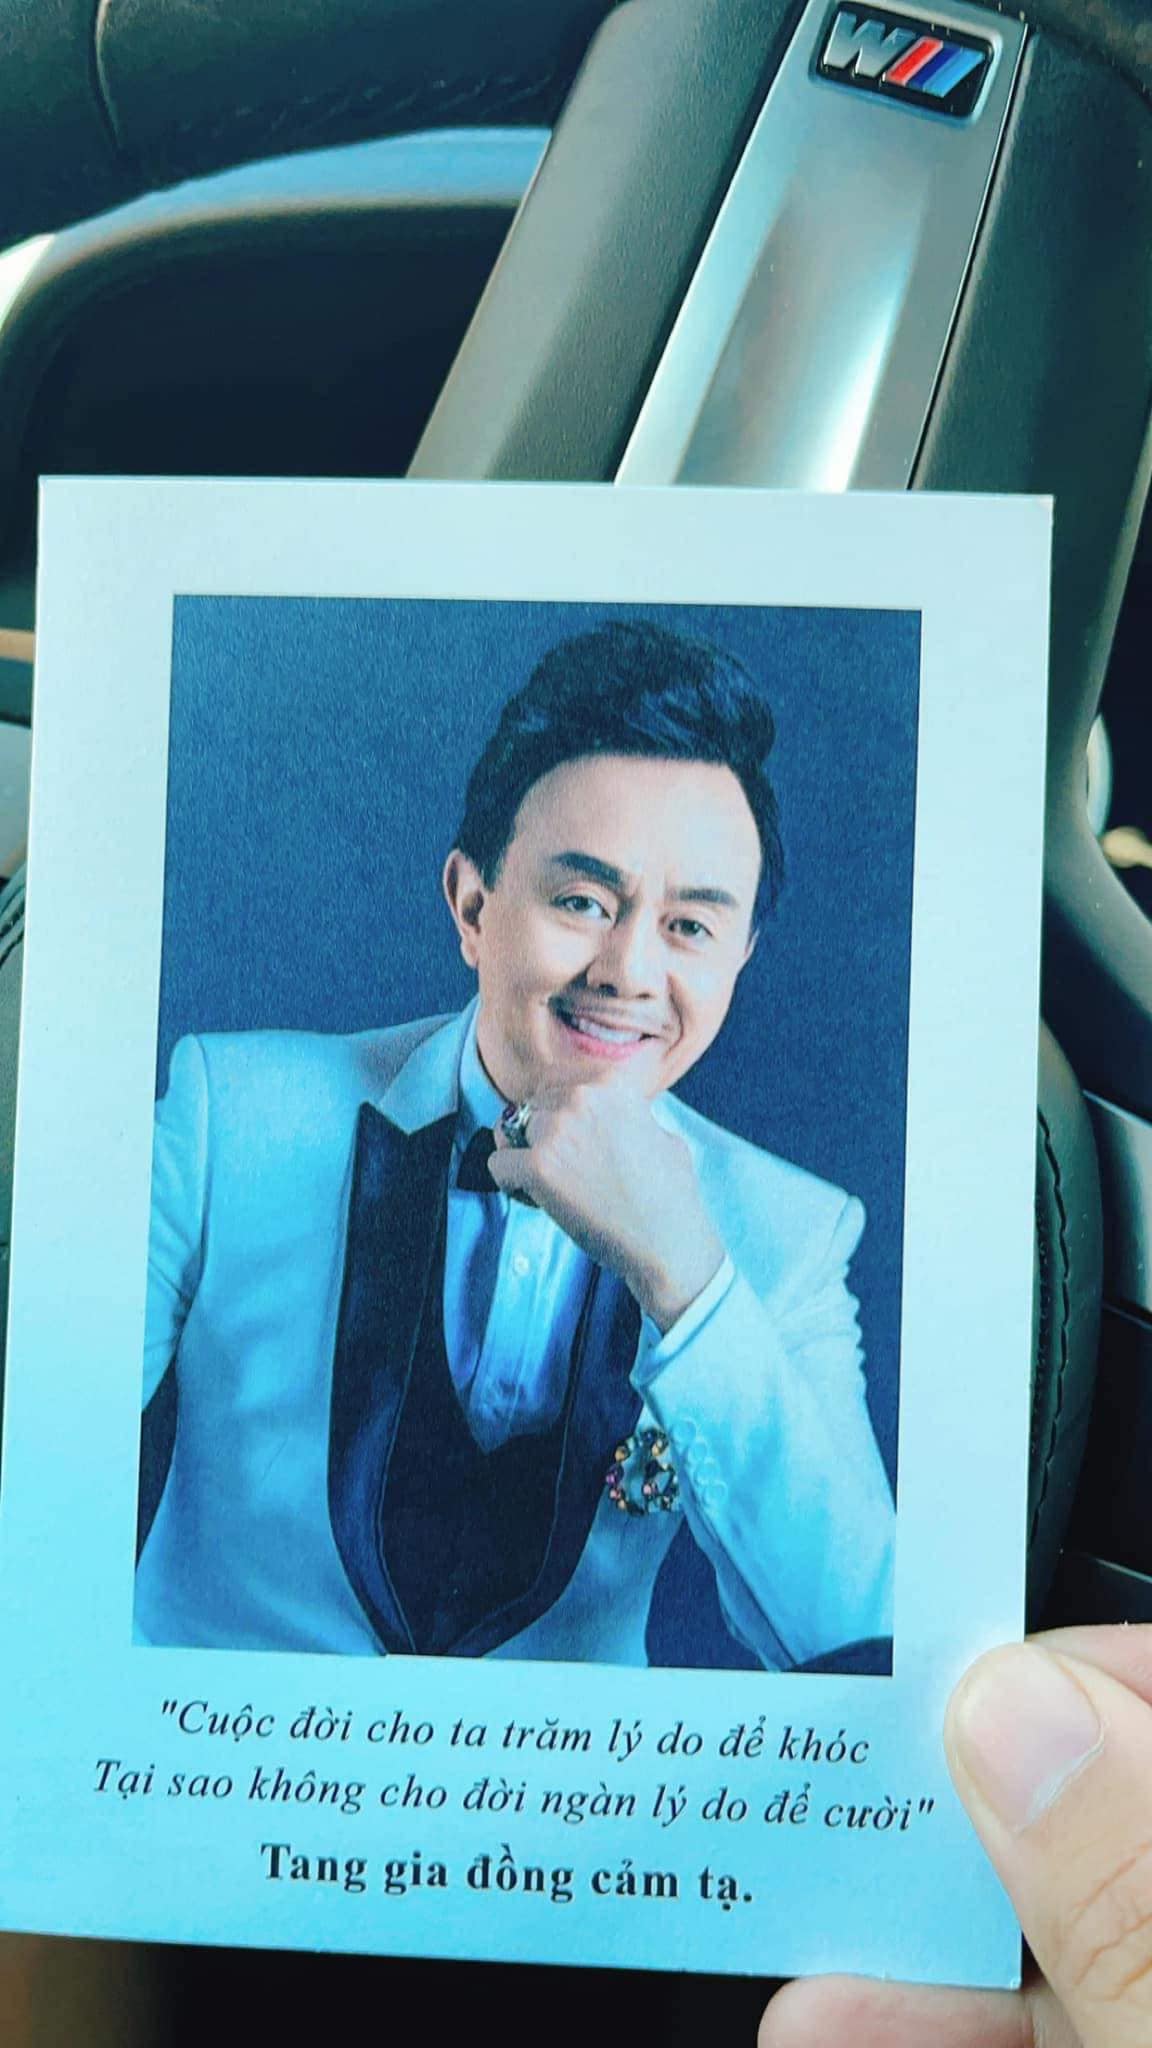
(629, 960)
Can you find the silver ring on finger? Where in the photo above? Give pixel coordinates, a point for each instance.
(515, 1122)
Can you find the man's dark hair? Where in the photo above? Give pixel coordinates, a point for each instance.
(628, 688)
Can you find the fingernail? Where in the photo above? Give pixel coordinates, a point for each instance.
(1021, 1728)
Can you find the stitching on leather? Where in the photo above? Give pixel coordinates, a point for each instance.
(439, 94)
(344, 101)
(1065, 1320)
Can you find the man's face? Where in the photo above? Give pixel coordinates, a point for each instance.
(611, 940)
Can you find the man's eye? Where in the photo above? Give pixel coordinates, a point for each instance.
(582, 906)
(690, 928)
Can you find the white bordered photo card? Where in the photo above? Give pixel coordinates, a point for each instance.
(518, 1365)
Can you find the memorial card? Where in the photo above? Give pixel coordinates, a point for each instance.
(521, 1310)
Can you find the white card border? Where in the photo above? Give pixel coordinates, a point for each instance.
(115, 554)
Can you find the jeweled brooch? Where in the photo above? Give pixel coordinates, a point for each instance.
(641, 1480)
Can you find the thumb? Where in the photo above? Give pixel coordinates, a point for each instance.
(1053, 1759)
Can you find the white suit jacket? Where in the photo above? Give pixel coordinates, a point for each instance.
(781, 1480)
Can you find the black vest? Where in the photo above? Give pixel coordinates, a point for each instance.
(452, 1549)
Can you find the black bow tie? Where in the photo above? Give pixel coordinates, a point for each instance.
(474, 1177)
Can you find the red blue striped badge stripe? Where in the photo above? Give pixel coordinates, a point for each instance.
(944, 73)
(922, 52)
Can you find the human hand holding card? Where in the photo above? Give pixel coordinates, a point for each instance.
(1051, 1748)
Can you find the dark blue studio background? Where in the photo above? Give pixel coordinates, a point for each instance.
(318, 755)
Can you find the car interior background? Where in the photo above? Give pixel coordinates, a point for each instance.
(656, 242)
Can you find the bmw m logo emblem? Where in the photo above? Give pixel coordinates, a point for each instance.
(905, 59)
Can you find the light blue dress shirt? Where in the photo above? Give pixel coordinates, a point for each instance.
(514, 1285)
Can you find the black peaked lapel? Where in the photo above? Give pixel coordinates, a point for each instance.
(452, 1550)
(395, 1226)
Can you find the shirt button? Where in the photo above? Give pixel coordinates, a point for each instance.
(521, 1264)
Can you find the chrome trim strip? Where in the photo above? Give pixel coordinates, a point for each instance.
(811, 338)
(1124, 1146)
(1099, 777)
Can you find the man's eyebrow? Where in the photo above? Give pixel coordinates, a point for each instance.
(594, 870)
(723, 898)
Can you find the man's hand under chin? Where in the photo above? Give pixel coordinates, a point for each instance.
(622, 1188)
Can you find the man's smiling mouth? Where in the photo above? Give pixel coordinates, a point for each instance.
(587, 1025)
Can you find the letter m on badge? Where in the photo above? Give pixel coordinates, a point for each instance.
(864, 45)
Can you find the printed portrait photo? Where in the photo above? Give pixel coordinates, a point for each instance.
(524, 1275)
